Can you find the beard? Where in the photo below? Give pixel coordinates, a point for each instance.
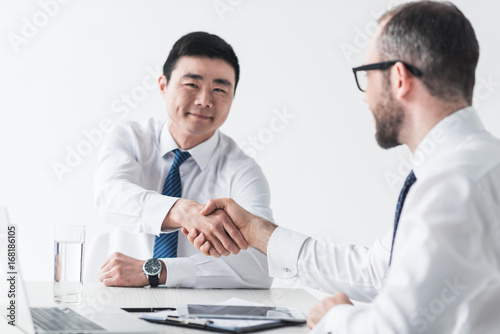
(389, 116)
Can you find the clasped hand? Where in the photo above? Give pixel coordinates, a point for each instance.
(217, 238)
(216, 222)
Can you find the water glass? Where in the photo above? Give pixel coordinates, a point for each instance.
(69, 242)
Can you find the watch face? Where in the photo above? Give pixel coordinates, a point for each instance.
(152, 267)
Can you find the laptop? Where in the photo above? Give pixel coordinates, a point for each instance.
(58, 319)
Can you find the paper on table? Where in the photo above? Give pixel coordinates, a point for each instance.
(238, 323)
(162, 315)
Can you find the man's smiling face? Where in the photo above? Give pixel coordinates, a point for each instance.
(198, 96)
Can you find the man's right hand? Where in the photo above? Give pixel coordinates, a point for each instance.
(217, 227)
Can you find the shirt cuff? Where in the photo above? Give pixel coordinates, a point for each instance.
(283, 252)
(154, 212)
(181, 272)
(332, 321)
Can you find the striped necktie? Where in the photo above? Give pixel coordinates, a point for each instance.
(410, 180)
(166, 243)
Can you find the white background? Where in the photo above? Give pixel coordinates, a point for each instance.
(328, 177)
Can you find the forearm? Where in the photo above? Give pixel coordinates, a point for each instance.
(355, 270)
(131, 207)
(246, 270)
(259, 232)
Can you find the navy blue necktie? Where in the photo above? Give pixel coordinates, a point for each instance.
(410, 180)
(166, 243)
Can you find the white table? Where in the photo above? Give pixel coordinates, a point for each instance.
(97, 295)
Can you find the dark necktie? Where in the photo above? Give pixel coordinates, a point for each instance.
(410, 180)
(166, 243)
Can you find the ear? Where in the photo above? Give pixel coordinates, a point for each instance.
(401, 81)
(162, 82)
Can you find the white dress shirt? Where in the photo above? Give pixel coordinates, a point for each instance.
(445, 271)
(133, 164)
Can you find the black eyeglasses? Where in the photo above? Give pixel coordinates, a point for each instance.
(361, 79)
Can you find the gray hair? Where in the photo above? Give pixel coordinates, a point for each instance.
(438, 39)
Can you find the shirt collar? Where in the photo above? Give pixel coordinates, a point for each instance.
(201, 153)
(445, 136)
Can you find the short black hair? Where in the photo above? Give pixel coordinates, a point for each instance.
(201, 43)
(437, 38)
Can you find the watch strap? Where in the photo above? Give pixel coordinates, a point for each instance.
(154, 280)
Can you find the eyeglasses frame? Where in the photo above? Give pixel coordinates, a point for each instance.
(383, 66)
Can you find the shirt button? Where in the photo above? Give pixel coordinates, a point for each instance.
(286, 270)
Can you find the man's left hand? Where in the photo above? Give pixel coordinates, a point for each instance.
(122, 270)
(318, 312)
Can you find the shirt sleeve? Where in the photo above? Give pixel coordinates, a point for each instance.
(441, 259)
(247, 269)
(251, 190)
(355, 270)
(119, 198)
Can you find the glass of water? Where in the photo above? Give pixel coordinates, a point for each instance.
(69, 242)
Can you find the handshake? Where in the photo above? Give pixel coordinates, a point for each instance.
(230, 230)
(220, 227)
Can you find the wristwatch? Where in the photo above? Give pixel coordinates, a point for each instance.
(152, 269)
